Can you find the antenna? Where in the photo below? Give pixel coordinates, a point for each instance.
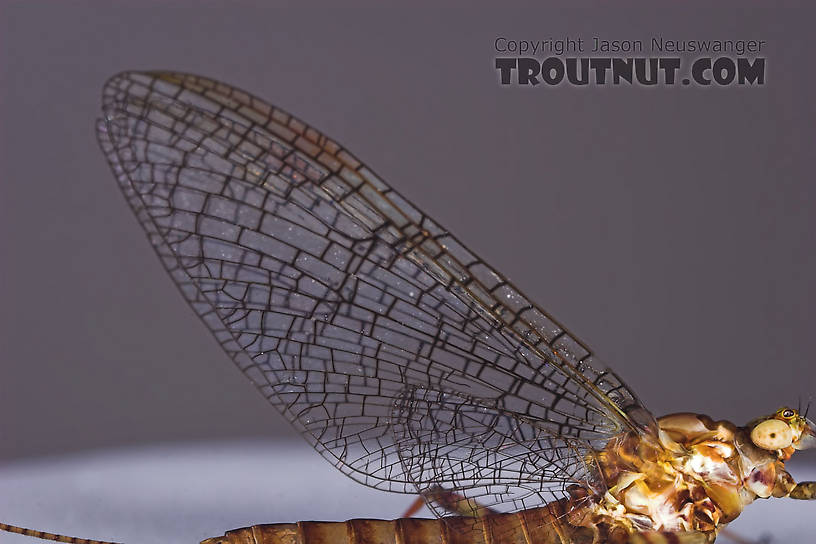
(50, 536)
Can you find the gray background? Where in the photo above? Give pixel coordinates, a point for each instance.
(671, 228)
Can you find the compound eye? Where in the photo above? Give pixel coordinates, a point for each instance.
(788, 413)
(772, 434)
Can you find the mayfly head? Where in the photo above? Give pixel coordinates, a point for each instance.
(785, 429)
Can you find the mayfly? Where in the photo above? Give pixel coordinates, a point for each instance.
(407, 361)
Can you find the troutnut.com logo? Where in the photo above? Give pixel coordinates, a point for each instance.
(656, 61)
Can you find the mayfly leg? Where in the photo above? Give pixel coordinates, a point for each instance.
(449, 501)
(415, 507)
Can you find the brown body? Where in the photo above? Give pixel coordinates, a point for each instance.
(544, 525)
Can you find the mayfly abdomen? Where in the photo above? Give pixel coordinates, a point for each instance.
(543, 525)
(533, 526)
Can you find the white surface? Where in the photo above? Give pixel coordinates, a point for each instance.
(183, 494)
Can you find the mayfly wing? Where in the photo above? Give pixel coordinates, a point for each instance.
(495, 459)
(403, 358)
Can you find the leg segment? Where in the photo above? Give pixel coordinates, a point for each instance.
(805, 491)
(449, 501)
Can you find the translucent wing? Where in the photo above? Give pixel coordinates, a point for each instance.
(503, 461)
(349, 308)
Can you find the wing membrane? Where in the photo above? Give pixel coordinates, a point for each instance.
(504, 460)
(334, 294)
